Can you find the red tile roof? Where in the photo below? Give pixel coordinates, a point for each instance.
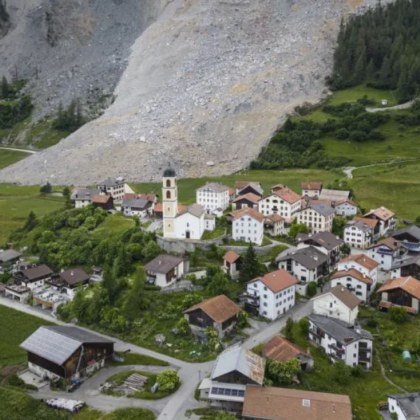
(100, 199)
(409, 284)
(369, 222)
(254, 198)
(249, 212)
(362, 260)
(311, 185)
(352, 273)
(231, 256)
(277, 280)
(219, 308)
(288, 195)
(381, 213)
(280, 349)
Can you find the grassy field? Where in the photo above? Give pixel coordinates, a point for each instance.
(17, 201)
(114, 225)
(7, 157)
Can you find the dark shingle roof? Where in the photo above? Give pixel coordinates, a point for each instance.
(163, 263)
(37, 273)
(412, 230)
(309, 257)
(9, 255)
(325, 239)
(74, 276)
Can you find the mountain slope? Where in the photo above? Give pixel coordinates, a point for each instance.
(205, 87)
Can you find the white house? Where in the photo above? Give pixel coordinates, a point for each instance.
(187, 223)
(272, 295)
(345, 208)
(385, 217)
(361, 263)
(311, 189)
(213, 196)
(82, 197)
(405, 406)
(358, 234)
(248, 226)
(283, 201)
(33, 277)
(113, 187)
(245, 187)
(274, 225)
(337, 302)
(247, 200)
(165, 270)
(355, 281)
(385, 253)
(139, 207)
(317, 217)
(341, 341)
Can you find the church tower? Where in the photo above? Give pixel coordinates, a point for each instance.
(169, 202)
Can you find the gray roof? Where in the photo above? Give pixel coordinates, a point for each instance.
(409, 404)
(327, 240)
(9, 255)
(340, 330)
(111, 182)
(412, 230)
(36, 273)
(58, 343)
(309, 257)
(137, 203)
(334, 195)
(214, 187)
(74, 276)
(238, 359)
(360, 225)
(323, 209)
(163, 264)
(83, 194)
(196, 210)
(405, 262)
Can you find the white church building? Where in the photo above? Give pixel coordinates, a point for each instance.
(189, 223)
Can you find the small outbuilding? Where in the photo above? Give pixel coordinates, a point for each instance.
(165, 270)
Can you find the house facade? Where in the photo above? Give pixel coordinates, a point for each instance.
(406, 267)
(385, 253)
(283, 202)
(231, 264)
(33, 277)
(165, 270)
(213, 196)
(402, 291)
(274, 225)
(358, 234)
(341, 341)
(137, 207)
(271, 295)
(386, 219)
(337, 302)
(82, 197)
(345, 208)
(248, 226)
(317, 217)
(311, 189)
(361, 263)
(247, 200)
(245, 187)
(113, 187)
(356, 282)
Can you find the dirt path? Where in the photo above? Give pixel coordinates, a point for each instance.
(405, 105)
(348, 171)
(19, 150)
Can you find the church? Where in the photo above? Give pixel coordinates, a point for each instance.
(182, 223)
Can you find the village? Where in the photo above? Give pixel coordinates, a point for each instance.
(318, 283)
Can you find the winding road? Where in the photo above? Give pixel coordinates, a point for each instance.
(172, 407)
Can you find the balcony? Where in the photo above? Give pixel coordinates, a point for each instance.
(339, 350)
(250, 299)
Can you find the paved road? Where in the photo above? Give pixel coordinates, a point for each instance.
(19, 150)
(172, 407)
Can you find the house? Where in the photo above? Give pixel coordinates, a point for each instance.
(68, 281)
(385, 217)
(317, 217)
(56, 352)
(405, 267)
(247, 200)
(218, 312)
(113, 187)
(245, 187)
(248, 226)
(341, 341)
(403, 291)
(274, 225)
(272, 403)
(283, 201)
(8, 258)
(178, 222)
(359, 233)
(233, 369)
(405, 406)
(337, 302)
(410, 234)
(82, 197)
(282, 350)
(136, 206)
(334, 195)
(232, 264)
(271, 295)
(165, 270)
(385, 252)
(213, 196)
(356, 282)
(345, 207)
(103, 201)
(17, 292)
(311, 189)
(326, 242)
(306, 264)
(33, 277)
(361, 263)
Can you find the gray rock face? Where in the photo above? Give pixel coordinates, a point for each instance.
(206, 86)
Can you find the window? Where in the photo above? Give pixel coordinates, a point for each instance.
(168, 182)
(168, 194)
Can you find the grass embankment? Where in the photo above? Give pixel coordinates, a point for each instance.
(17, 201)
(7, 157)
(139, 359)
(146, 394)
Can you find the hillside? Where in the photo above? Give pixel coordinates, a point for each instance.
(206, 86)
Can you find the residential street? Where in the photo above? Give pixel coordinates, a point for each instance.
(170, 408)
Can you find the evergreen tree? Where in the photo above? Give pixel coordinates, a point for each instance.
(31, 222)
(5, 88)
(250, 267)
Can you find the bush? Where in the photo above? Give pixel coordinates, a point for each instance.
(14, 380)
(168, 380)
(46, 188)
(398, 314)
(304, 326)
(311, 289)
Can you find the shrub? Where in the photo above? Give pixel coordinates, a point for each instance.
(168, 380)
(398, 314)
(311, 289)
(304, 326)
(14, 380)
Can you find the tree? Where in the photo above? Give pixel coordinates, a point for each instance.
(212, 338)
(283, 373)
(341, 373)
(338, 226)
(311, 289)
(31, 222)
(183, 326)
(151, 250)
(219, 284)
(345, 249)
(5, 88)
(46, 188)
(67, 196)
(398, 314)
(288, 331)
(110, 284)
(304, 325)
(168, 380)
(137, 299)
(297, 228)
(251, 267)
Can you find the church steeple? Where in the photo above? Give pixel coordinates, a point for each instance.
(169, 202)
